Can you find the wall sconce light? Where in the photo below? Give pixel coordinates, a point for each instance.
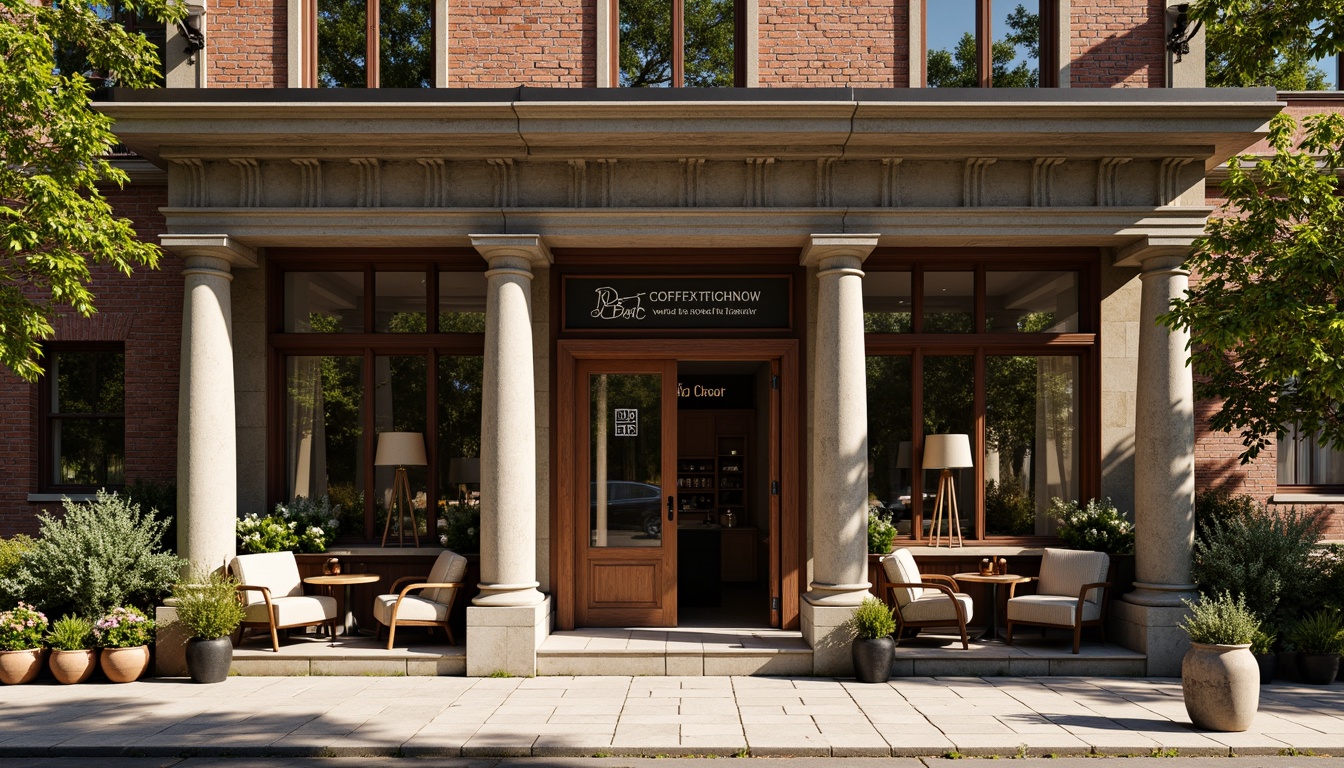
(195, 38)
(1178, 42)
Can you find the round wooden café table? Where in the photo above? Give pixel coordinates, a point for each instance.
(993, 581)
(346, 580)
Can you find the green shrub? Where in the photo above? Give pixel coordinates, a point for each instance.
(460, 526)
(302, 525)
(1263, 642)
(880, 533)
(872, 619)
(1009, 510)
(1211, 505)
(348, 502)
(160, 498)
(22, 628)
(1096, 526)
(124, 627)
(99, 554)
(11, 552)
(208, 605)
(1220, 621)
(1328, 561)
(1321, 632)
(1266, 557)
(70, 633)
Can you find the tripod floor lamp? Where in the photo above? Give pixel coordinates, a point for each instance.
(945, 453)
(401, 450)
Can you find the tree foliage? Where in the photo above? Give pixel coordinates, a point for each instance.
(1270, 42)
(646, 45)
(1266, 318)
(54, 220)
(957, 68)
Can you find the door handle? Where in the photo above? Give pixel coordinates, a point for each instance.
(671, 505)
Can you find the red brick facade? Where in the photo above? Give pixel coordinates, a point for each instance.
(498, 43)
(248, 40)
(1118, 44)
(857, 43)
(144, 311)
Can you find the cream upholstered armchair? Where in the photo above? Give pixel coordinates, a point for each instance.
(924, 600)
(273, 595)
(432, 607)
(1071, 593)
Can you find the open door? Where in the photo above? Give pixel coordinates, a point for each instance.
(625, 492)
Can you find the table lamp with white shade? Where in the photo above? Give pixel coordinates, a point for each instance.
(946, 452)
(401, 450)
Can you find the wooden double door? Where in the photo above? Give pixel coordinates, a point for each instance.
(618, 511)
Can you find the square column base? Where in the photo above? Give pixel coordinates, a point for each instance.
(825, 628)
(170, 643)
(1153, 632)
(506, 639)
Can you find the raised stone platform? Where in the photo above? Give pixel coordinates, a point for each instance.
(311, 655)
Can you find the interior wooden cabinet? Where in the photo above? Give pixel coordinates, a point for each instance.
(715, 451)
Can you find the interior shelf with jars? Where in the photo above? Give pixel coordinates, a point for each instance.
(696, 485)
(731, 492)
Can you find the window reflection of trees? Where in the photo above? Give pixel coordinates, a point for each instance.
(958, 68)
(647, 47)
(404, 46)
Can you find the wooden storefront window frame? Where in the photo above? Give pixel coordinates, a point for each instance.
(1084, 345)
(368, 345)
(679, 43)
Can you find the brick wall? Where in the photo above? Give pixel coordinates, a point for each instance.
(145, 312)
(833, 43)
(247, 44)
(501, 43)
(1118, 43)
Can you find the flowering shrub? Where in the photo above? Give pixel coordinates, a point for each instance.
(123, 628)
(460, 526)
(880, 533)
(302, 525)
(1097, 526)
(22, 628)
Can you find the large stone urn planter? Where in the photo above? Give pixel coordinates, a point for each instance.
(1221, 684)
(872, 659)
(18, 667)
(125, 665)
(70, 667)
(208, 661)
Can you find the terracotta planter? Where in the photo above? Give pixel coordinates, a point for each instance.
(1318, 668)
(18, 667)
(208, 661)
(1267, 662)
(70, 667)
(872, 659)
(1221, 684)
(125, 665)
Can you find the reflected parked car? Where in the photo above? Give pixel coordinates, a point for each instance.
(630, 506)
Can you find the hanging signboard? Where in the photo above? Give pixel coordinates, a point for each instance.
(677, 303)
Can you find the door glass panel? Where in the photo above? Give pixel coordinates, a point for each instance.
(625, 459)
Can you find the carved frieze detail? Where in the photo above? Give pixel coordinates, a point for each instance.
(198, 190)
(249, 182)
(758, 191)
(1107, 190)
(825, 185)
(370, 191)
(692, 183)
(1169, 177)
(1043, 181)
(436, 181)
(891, 182)
(310, 181)
(506, 182)
(973, 180)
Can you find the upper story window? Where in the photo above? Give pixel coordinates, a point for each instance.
(979, 44)
(83, 412)
(678, 43)
(373, 43)
(1305, 462)
(132, 19)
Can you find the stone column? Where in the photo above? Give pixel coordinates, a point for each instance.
(510, 616)
(1164, 474)
(838, 512)
(207, 457)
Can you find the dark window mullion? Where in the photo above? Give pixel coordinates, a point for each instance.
(371, 43)
(678, 43)
(984, 43)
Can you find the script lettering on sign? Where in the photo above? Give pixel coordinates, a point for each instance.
(612, 306)
(614, 303)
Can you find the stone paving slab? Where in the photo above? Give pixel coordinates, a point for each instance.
(430, 761)
(583, 717)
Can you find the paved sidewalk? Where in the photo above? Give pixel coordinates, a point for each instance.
(607, 716)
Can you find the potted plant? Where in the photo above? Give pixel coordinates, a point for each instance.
(1319, 639)
(124, 635)
(1219, 677)
(73, 657)
(1262, 648)
(209, 608)
(21, 644)
(872, 647)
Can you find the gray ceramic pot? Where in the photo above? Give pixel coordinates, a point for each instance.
(1221, 684)
(208, 661)
(872, 659)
